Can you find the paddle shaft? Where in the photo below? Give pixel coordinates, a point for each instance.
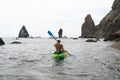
(68, 53)
(55, 38)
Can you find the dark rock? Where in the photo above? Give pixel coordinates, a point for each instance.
(88, 28)
(91, 40)
(75, 38)
(110, 24)
(118, 32)
(1, 42)
(16, 42)
(23, 33)
(116, 5)
(60, 33)
(111, 37)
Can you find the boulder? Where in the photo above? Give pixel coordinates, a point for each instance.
(91, 40)
(75, 38)
(16, 42)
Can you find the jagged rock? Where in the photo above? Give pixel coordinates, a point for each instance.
(88, 28)
(110, 24)
(1, 42)
(23, 33)
(116, 5)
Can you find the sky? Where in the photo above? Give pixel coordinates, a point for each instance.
(39, 16)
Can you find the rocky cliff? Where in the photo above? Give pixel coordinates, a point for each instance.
(23, 33)
(88, 28)
(110, 24)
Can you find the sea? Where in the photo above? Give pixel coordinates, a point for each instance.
(31, 60)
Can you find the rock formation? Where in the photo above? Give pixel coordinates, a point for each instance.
(110, 24)
(23, 33)
(1, 42)
(91, 40)
(60, 33)
(88, 28)
(16, 42)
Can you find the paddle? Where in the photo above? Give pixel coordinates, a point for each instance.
(68, 53)
(50, 33)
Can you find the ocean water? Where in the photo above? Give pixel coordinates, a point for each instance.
(32, 60)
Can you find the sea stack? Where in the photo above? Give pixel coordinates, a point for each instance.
(60, 33)
(88, 28)
(1, 42)
(23, 33)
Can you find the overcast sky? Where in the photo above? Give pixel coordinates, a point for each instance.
(39, 16)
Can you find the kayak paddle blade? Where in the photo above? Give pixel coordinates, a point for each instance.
(50, 33)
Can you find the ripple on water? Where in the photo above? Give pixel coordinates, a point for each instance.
(31, 60)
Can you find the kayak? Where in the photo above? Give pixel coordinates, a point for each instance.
(60, 56)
